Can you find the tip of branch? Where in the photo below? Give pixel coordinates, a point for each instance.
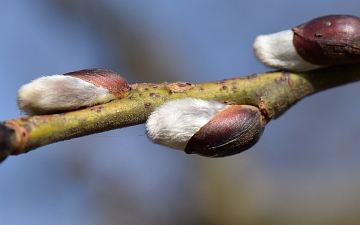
(6, 135)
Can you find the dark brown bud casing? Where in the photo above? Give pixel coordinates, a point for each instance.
(112, 81)
(231, 131)
(329, 40)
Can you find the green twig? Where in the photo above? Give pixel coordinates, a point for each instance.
(273, 93)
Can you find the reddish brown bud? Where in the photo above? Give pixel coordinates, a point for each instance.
(108, 79)
(231, 131)
(329, 40)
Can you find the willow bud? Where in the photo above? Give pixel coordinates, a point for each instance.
(207, 128)
(324, 41)
(231, 131)
(329, 40)
(71, 91)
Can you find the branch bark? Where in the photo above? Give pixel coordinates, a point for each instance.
(273, 93)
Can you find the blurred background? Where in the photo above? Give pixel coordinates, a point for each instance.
(305, 169)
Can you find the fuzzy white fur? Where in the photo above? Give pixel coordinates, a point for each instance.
(175, 122)
(277, 50)
(50, 94)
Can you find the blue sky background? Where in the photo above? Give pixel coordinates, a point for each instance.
(304, 170)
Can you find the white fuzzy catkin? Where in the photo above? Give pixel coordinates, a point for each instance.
(57, 93)
(277, 50)
(175, 122)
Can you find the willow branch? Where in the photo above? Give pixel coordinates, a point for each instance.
(273, 93)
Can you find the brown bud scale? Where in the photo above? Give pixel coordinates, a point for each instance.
(116, 84)
(231, 131)
(329, 40)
